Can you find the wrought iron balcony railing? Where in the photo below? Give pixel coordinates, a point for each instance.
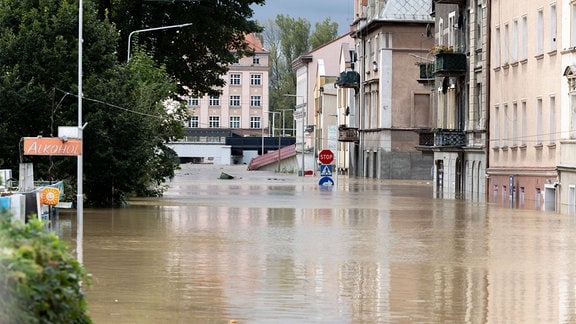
(442, 138)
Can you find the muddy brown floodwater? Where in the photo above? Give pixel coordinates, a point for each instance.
(274, 248)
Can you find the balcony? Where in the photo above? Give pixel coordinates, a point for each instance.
(348, 134)
(442, 138)
(450, 64)
(348, 79)
(426, 73)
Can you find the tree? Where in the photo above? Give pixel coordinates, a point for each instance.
(197, 55)
(324, 32)
(125, 150)
(287, 38)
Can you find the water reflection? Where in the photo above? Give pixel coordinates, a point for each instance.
(373, 252)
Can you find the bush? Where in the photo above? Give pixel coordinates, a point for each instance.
(40, 281)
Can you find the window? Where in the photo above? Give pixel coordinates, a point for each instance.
(540, 33)
(496, 133)
(505, 117)
(234, 121)
(193, 101)
(497, 47)
(255, 101)
(256, 61)
(214, 101)
(477, 106)
(235, 79)
(451, 29)
(214, 122)
(552, 121)
(515, 124)
(193, 122)
(539, 121)
(254, 122)
(524, 41)
(523, 124)
(506, 49)
(573, 24)
(479, 25)
(553, 27)
(255, 79)
(514, 41)
(235, 101)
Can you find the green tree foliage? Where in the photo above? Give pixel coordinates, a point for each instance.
(127, 140)
(197, 55)
(127, 125)
(40, 281)
(324, 32)
(288, 38)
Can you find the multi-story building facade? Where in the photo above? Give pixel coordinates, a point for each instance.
(240, 110)
(314, 70)
(460, 69)
(390, 108)
(243, 104)
(525, 108)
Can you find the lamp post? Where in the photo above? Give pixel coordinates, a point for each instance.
(150, 29)
(279, 142)
(79, 194)
(303, 126)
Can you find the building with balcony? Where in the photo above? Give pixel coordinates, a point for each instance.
(316, 115)
(391, 38)
(458, 138)
(525, 108)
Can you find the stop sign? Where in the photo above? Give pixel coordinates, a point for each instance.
(326, 157)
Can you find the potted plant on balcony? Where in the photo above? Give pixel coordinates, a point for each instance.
(449, 62)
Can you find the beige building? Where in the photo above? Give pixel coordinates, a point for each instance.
(243, 104)
(316, 115)
(525, 102)
(391, 106)
(460, 70)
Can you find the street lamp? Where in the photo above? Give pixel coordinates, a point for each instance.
(150, 29)
(304, 116)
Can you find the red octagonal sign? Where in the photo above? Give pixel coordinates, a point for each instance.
(326, 156)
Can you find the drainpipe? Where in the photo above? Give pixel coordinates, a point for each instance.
(487, 71)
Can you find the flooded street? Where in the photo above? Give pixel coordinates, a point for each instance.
(274, 248)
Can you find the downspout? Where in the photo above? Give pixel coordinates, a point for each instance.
(487, 70)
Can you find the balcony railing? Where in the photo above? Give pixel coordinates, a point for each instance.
(449, 1)
(442, 138)
(348, 79)
(450, 64)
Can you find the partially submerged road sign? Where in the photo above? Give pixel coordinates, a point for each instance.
(52, 146)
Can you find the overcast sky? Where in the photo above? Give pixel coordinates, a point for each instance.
(340, 11)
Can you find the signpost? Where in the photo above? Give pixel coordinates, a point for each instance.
(326, 157)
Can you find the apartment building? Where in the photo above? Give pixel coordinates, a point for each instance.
(459, 67)
(525, 103)
(390, 107)
(240, 110)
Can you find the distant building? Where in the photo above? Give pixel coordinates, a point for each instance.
(240, 111)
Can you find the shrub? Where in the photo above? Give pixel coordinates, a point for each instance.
(40, 281)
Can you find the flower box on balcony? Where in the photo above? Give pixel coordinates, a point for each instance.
(450, 64)
(348, 134)
(348, 79)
